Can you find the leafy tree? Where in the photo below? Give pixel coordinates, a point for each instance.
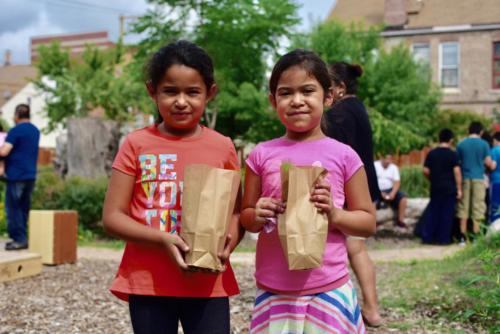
(458, 122)
(335, 42)
(401, 90)
(239, 35)
(74, 87)
(397, 90)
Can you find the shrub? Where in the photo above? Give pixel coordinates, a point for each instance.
(47, 190)
(83, 195)
(413, 181)
(458, 122)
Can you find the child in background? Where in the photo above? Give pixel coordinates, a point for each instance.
(143, 202)
(320, 300)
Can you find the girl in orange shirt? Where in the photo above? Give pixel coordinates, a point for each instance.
(143, 202)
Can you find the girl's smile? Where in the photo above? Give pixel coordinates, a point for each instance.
(299, 101)
(181, 98)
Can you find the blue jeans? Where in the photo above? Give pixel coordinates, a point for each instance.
(17, 206)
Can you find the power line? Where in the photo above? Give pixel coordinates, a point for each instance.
(84, 5)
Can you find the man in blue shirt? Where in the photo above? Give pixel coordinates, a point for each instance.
(21, 154)
(474, 155)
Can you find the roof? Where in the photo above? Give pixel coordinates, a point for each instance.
(370, 12)
(454, 12)
(421, 13)
(13, 78)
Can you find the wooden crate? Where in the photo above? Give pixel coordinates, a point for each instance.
(53, 234)
(15, 265)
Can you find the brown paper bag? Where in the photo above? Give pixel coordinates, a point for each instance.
(208, 200)
(302, 228)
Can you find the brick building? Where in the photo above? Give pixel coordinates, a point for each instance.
(459, 39)
(75, 43)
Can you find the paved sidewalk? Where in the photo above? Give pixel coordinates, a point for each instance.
(405, 254)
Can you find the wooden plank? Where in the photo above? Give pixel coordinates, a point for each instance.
(19, 264)
(65, 236)
(41, 234)
(53, 234)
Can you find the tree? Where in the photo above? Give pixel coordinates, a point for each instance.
(397, 91)
(75, 87)
(401, 89)
(239, 35)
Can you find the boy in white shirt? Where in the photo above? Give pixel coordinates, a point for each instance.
(389, 183)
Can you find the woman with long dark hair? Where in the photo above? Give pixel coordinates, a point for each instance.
(347, 121)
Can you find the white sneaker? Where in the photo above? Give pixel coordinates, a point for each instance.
(462, 242)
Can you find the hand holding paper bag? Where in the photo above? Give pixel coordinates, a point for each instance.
(208, 202)
(302, 228)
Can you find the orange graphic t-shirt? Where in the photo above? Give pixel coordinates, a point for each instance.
(157, 162)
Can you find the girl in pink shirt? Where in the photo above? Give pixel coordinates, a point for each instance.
(320, 300)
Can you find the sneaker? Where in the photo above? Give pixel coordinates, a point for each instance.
(14, 245)
(401, 224)
(462, 242)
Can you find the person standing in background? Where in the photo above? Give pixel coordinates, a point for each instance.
(347, 121)
(21, 154)
(474, 155)
(494, 213)
(442, 168)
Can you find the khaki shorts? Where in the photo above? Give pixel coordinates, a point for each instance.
(472, 204)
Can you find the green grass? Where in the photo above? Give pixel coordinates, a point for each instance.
(464, 288)
(110, 244)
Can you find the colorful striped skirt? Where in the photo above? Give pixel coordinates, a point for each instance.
(335, 311)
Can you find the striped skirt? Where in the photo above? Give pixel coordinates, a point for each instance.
(335, 311)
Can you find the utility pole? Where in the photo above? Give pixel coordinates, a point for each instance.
(122, 19)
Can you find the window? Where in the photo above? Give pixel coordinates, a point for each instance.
(496, 65)
(421, 52)
(449, 62)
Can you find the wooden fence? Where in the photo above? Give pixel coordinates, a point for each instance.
(45, 156)
(413, 158)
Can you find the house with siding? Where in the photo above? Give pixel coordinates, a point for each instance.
(459, 39)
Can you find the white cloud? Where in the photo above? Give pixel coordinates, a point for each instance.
(18, 41)
(22, 19)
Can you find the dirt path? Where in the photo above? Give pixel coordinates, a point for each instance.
(74, 298)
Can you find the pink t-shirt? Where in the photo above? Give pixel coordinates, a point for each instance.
(265, 160)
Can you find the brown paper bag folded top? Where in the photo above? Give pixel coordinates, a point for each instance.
(208, 201)
(302, 228)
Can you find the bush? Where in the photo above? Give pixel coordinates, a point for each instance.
(413, 181)
(83, 195)
(458, 122)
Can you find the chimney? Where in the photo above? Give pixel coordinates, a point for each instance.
(395, 13)
(7, 58)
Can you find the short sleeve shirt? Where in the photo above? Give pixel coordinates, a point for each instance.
(441, 161)
(20, 164)
(265, 160)
(386, 176)
(472, 151)
(495, 155)
(157, 161)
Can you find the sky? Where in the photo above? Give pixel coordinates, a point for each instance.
(22, 19)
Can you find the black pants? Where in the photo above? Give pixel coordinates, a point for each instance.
(152, 315)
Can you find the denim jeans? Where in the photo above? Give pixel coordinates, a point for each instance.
(17, 206)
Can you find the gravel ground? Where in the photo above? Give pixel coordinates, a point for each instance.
(74, 299)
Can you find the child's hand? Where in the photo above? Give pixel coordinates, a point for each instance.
(175, 247)
(321, 196)
(266, 208)
(224, 255)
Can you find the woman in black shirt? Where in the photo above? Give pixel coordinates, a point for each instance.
(347, 121)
